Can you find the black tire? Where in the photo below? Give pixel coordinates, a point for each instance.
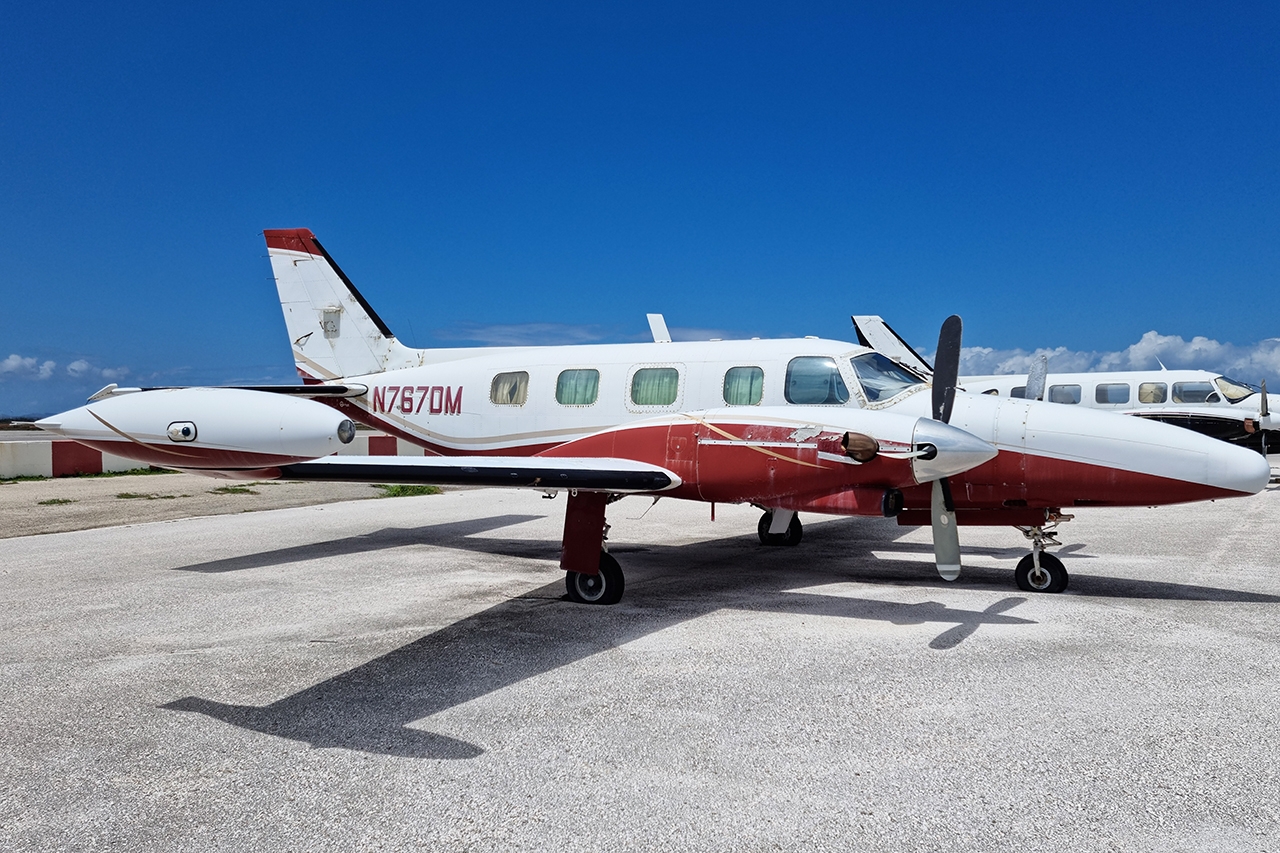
(604, 588)
(793, 535)
(1053, 574)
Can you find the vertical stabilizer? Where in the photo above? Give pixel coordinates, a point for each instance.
(335, 333)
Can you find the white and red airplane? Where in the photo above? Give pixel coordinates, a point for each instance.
(800, 425)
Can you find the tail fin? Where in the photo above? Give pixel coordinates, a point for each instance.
(335, 332)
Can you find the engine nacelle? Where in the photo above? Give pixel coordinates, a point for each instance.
(206, 428)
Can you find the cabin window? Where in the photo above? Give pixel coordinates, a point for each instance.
(743, 386)
(1112, 393)
(1153, 392)
(1019, 391)
(578, 387)
(1064, 394)
(882, 378)
(815, 380)
(509, 389)
(655, 386)
(1191, 392)
(1233, 389)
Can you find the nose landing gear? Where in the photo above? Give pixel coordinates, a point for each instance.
(1041, 571)
(786, 531)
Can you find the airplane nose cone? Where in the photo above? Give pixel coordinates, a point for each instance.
(957, 450)
(1238, 469)
(52, 424)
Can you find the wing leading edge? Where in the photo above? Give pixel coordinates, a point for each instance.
(529, 472)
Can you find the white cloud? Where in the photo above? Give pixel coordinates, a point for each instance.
(1248, 363)
(26, 367)
(522, 334)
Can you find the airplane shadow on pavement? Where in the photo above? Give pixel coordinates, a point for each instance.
(368, 708)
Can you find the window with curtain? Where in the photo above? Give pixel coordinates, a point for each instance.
(814, 380)
(1153, 392)
(510, 389)
(655, 386)
(743, 386)
(578, 387)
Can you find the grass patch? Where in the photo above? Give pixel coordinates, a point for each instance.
(144, 497)
(55, 502)
(26, 478)
(403, 491)
(232, 490)
(132, 472)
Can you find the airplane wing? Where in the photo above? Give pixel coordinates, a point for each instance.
(530, 472)
(874, 332)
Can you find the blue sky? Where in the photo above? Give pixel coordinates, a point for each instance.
(1065, 176)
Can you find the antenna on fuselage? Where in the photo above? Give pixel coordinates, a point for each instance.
(658, 326)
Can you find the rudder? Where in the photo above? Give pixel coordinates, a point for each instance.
(334, 332)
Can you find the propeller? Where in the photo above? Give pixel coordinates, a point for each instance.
(946, 372)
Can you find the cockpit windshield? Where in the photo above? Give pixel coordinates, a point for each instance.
(881, 377)
(1234, 390)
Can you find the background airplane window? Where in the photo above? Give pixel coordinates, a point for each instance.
(1153, 392)
(743, 386)
(1112, 393)
(655, 386)
(578, 387)
(1020, 392)
(882, 378)
(1191, 392)
(1064, 394)
(509, 389)
(814, 380)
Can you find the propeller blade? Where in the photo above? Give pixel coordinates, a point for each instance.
(1263, 411)
(946, 538)
(1037, 377)
(946, 368)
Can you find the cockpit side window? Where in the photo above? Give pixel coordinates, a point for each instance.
(1191, 392)
(881, 377)
(814, 380)
(1235, 390)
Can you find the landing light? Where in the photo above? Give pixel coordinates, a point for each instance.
(346, 431)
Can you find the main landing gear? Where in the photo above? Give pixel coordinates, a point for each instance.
(1041, 571)
(779, 527)
(592, 575)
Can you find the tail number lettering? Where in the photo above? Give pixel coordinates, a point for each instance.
(412, 399)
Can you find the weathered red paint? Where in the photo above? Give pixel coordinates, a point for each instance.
(1049, 484)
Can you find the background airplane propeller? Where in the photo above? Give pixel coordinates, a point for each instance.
(946, 370)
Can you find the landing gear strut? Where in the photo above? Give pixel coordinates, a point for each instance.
(1041, 571)
(790, 535)
(591, 576)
